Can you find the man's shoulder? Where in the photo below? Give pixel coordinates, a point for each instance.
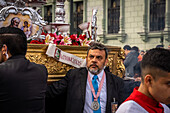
(42, 68)
(77, 70)
(3, 66)
(130, 107)
(113, 76)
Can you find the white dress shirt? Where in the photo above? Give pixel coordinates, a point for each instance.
(103, 94)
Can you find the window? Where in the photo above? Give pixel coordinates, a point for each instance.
(78, 16)
(157, 15)
(48, 13)
(113, 16)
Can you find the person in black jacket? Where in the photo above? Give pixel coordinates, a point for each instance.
(77, 82)
(22, 83)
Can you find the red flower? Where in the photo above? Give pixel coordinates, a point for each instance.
(43, 33)
(82, 37)
(60, 37)
(73, 37)
(37, 42)
(75, 43)
(52, 35)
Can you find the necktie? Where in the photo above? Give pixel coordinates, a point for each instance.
(95, 86)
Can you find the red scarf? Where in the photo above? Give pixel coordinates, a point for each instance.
(150, 105)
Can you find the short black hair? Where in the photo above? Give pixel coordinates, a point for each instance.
(142, 51)
(12, 20)
(156, 58)
(127, 47)
(1, 45)
(135, 48)
(25, 22)
(100, 46)
(15, 39)
(159, 46)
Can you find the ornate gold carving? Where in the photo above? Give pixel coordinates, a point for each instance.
(53, 66)
(120, 66)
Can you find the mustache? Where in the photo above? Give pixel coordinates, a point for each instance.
(93, 65)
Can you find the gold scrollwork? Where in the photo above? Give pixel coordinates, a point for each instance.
(53, 66)
(120, 66)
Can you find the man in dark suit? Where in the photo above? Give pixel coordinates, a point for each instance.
(22, 83)
(79, 84)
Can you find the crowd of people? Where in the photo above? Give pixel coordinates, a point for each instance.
(90, 89)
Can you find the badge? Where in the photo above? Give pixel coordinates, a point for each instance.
(95, 105)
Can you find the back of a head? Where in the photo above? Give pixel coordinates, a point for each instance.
(127, 47)
(15, 39)
(157, 58)
(135, 48)
(159, 46)
(142, 51)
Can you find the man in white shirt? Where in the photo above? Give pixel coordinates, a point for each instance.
(80, 84)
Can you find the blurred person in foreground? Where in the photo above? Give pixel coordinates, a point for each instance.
(82, 84)
(22, 83)
(154, 90)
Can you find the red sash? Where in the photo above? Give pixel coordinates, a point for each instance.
(150, 105)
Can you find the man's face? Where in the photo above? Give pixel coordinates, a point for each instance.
(126, 52)
(16, 23)
(96, 60)
(160, 88)
(142, 53)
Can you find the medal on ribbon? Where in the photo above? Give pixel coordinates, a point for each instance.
(95, 105)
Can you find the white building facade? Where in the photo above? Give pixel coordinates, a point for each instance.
(134, 21)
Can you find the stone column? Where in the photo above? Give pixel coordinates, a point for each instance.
(144, 33)
(71, 17)
(122, 33)
(167, 21)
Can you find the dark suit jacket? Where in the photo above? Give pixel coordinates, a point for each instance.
(74, 83)
(22, 86)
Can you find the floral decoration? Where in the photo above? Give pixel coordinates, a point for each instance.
(74, 39)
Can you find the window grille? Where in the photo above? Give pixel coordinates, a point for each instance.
(157, 15)
(48, 13)
(78, 17)
(113, 16)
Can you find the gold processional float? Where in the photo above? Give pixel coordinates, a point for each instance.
(37, 52)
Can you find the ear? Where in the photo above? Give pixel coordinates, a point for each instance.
(148, 80)
(4, 49)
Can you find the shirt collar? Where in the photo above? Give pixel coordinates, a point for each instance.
(145, 98)
(99, 75)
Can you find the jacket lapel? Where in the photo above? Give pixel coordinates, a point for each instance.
(109, 85)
